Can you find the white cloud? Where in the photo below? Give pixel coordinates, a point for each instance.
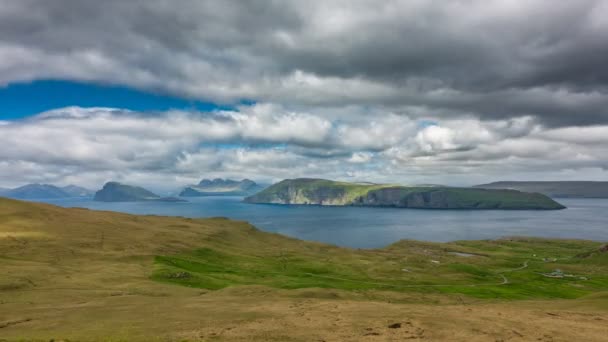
(268, 142)
(436, 139)
(266, 122)
(360, 157)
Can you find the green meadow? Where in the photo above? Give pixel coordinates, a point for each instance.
(514, 268)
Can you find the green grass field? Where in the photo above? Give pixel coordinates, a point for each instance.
(505, 269)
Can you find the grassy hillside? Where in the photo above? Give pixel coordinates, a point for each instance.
(504, 269)
(88, 275)
(326, 192)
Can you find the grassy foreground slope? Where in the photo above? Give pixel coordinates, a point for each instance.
(326, 192)
(89, 275)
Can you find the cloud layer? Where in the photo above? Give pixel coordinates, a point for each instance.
(452, 91)
(487, 59)
(267, 142)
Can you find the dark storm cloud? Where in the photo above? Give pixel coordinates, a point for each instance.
(489, 59)
(476, 45)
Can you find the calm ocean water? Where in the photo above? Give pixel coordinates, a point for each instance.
(378, 227)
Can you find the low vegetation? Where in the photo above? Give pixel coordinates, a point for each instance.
(507, 268)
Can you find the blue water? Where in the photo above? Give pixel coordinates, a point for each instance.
(378, 227)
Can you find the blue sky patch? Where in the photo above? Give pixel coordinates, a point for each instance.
(426, 123)
(21, 100)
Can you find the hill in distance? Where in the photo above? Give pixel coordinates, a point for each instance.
(83, 275)
(117, 192)
(45, 191)
(222, 187)
(557, 189)
(77, 191)
(326, 192)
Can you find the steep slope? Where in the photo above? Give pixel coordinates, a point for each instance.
(219, 186)
(312, 191)
(557, 189)
(325, 192)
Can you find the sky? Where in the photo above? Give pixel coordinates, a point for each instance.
(162, 93)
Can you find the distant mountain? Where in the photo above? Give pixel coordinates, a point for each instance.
(33, 191)
(222, 187)
(37, 191)
(326, 192)
(117, 192)
(557, 189)
(77, 191)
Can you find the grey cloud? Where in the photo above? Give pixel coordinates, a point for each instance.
(395, 91)
(487, 59)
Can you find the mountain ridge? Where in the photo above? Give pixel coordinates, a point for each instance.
(38, 191)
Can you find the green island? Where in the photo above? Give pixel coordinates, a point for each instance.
(311, 191)
(121, 277)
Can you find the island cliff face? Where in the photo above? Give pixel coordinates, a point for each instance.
(325, 192)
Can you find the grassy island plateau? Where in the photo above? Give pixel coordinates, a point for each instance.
(325, 192)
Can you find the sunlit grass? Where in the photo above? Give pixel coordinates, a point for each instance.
(507, 269)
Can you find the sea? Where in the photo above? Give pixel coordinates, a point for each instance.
(360, 227)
